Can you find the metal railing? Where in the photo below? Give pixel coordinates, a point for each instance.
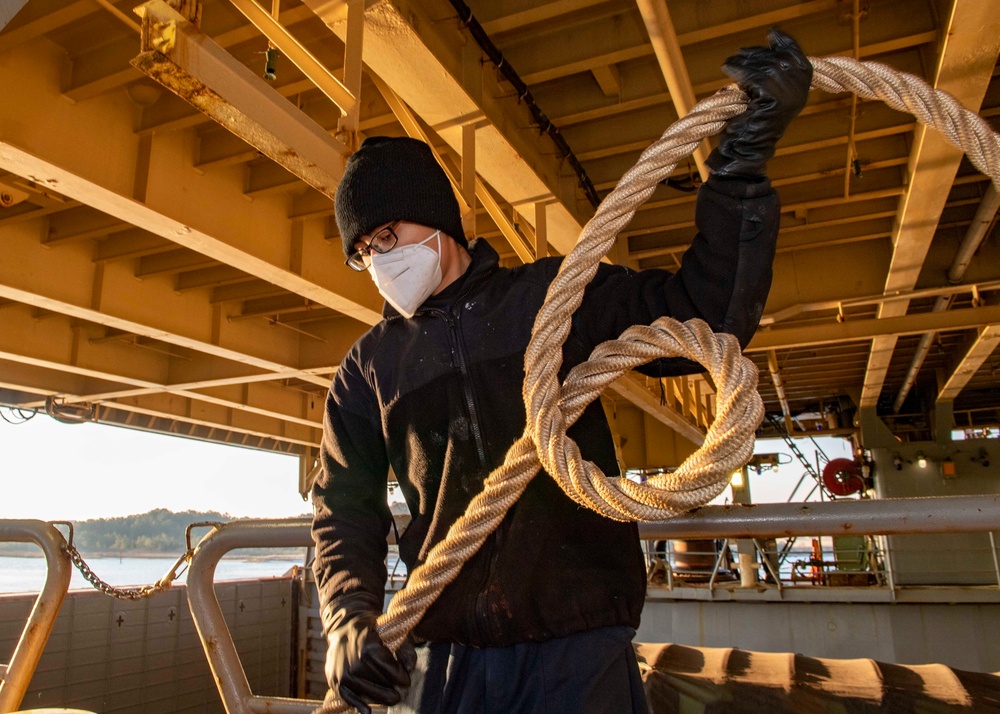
(43, 614)
(396, 569)
(754, 524)
(206, 612)
(889, 544)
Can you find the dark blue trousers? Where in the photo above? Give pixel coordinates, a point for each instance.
(587, 673)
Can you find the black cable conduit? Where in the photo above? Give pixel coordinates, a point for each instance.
(545, 124)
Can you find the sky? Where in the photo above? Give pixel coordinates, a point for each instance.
(56, 471)
(775, 486)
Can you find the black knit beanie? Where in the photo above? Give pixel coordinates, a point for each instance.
(395, 179)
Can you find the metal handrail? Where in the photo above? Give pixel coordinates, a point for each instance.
(874, 519)
(884, 516)
(43, 614)
(206, 612)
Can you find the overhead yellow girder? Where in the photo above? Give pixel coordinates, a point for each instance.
(174, 409)
(125, 370)
(437, 71)
(54, 145)
(872, 329)
(968, 55)
(63, 280)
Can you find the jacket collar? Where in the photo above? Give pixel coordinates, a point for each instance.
(485, 260)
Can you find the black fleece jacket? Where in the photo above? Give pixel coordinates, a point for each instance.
(437, 398)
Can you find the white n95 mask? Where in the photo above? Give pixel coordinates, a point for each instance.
(407, 275)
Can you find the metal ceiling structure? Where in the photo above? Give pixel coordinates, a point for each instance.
(170, 260)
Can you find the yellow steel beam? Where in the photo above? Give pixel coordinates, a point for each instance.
(65, 281)
(594, 59)
(257, 404)
(833, 333)
(436, 69)
(667, 49)
(58, 344)
(298, 54)
(985, 343)
(970, 44)
(101, 68)
(180, 410)
(543, 12)
(630, 387)
(185, 387)
(142, 216)
(928, 292)
(48, 140)
(181, 58)
(779, 388)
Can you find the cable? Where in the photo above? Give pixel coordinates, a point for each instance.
(16, 415)
(545, 124)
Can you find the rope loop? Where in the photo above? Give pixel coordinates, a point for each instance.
(552, 407)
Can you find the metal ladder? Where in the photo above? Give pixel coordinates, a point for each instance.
(809, 471)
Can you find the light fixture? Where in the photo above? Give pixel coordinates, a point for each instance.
(921, 460)
(897, 462)
(737, 480)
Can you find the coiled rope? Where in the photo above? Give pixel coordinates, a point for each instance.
(552, 408)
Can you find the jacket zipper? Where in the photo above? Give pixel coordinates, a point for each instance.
(463, 368)
(483, 621)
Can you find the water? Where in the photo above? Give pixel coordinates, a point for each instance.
(18, 575)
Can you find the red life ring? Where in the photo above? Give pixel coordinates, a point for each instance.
(842, 477)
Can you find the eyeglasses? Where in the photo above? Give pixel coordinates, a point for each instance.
(383, 241)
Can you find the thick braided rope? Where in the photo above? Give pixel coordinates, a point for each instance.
(706, 472)
(552, 407)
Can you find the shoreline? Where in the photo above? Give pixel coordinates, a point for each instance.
(232, 555)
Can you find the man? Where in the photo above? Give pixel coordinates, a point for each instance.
(541, 618)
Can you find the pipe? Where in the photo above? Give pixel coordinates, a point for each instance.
(43, 614)
(206, 612)
(919, 355)
(748, 565)
(886, 516)
(779, 388)
(979, 228)
(977, 232)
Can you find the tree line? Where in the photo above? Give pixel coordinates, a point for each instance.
(158, 531)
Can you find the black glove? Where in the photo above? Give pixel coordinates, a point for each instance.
(777, 79)
(358, 665)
